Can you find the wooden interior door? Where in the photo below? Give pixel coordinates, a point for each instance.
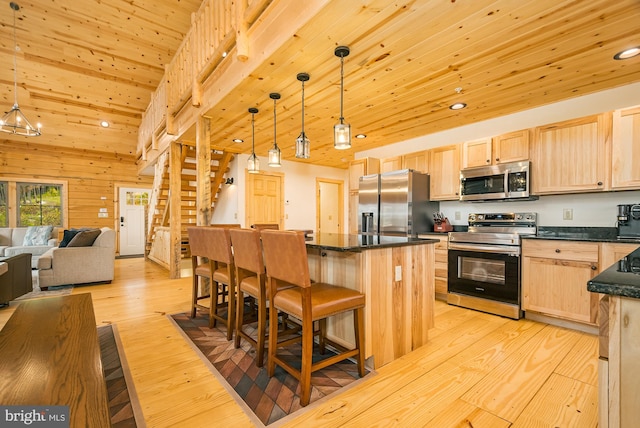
(264, 198)
(329, 206)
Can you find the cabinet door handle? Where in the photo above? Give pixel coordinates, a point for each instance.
(599, 183)
(488, 160)
(497, 159)
(557, 250)
(594, 267)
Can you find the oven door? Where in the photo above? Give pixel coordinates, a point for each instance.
(487, 275)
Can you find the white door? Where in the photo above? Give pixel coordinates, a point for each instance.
(132, 203)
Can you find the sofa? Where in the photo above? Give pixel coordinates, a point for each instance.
(15, 279)
(12, 243)
(79, 265)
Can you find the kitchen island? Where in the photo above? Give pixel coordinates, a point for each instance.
(619, 364)
(395, 273)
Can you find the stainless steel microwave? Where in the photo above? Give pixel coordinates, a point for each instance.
(507, 181)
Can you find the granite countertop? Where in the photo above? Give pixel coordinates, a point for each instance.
(621, 279)
(358, 243)
(594, 234)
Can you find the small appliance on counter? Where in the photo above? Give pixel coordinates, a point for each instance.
(441, 223)
(629, 221)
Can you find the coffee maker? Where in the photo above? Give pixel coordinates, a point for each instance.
(629, 221)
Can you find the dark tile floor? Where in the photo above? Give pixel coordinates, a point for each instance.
(269, 398)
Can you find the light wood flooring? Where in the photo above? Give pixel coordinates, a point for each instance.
(477, 370)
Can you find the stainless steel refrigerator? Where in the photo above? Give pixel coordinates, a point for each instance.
(395, 203)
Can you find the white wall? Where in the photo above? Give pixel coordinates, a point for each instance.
(299, 192)
(589, 209)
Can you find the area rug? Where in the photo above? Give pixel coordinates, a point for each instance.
(124, 408)
(62, 290)
(265, 400)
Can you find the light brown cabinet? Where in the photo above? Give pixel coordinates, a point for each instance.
(554, 279)
(360, 167)
(441, 268)
(570, 156)
(391, 164)
(444, 169)
(476, 153)
(625, 149)
(611, 252)
(511, 147)
(417, 161)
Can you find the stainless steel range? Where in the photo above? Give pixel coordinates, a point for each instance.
(484, 262)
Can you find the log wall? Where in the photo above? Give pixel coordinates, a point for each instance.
(90, 175)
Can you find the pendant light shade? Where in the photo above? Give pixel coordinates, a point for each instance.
(253, 164)
(274, 152)
(302, 142)
(342, 131)
(15, 122)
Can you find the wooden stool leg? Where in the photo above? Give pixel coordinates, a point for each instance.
(273, 340)
(194, 295)
(262, 327)
(213, 307)
(231, 310)
(239, 316)
(305, 371)
(358, 325)
(322, 330)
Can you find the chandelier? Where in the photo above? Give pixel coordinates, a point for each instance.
(15, 122)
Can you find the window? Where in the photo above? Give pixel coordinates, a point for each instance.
(4, 206)
(39, 204)
(137, 198)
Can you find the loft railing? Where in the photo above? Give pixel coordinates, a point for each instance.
(217, 27)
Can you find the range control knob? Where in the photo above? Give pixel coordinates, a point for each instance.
(480, 217)
(518, 216)
(472, 217)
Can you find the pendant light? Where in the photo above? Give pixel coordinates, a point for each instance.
(253, 164)
(342, 131)
(274, 152)
(302, 142)
(14, 122)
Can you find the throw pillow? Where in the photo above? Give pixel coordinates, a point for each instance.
(85, 238)
(37, 235)
(67, 236)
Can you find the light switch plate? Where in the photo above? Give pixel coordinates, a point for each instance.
(398, 273)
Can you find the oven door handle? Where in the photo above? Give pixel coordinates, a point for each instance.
(495, 249)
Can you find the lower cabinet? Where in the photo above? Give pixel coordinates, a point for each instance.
(441, 271)
(555, 276)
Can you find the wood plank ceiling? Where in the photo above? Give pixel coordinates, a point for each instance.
(84, 61)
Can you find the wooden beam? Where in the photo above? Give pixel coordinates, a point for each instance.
(175, 180)
(203, 170)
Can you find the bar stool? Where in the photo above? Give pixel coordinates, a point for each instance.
(285, 256)
(214, 244)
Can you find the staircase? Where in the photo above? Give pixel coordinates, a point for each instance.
(158, 215)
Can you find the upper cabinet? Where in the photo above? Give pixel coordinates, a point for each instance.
(625, 149)
(360, 167)
(570, 156)
(476, 153)
(444, 169)
(417, 161)
(391, 164)
(511, 147)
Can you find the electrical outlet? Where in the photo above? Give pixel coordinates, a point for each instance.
(103, 215)
(567, 214)
(457, 215)
(398, 273)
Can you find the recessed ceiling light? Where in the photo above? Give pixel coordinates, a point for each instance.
(238, 140)
(361, 136)
(224, 54)
(457, 106)
(627, 53)
(104, 124)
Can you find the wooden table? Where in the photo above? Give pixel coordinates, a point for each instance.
(50, 355)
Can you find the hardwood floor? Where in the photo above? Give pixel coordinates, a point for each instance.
(477, 370)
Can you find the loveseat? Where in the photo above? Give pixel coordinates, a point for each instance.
(12, 242)
(79, 265)
(17, 280)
